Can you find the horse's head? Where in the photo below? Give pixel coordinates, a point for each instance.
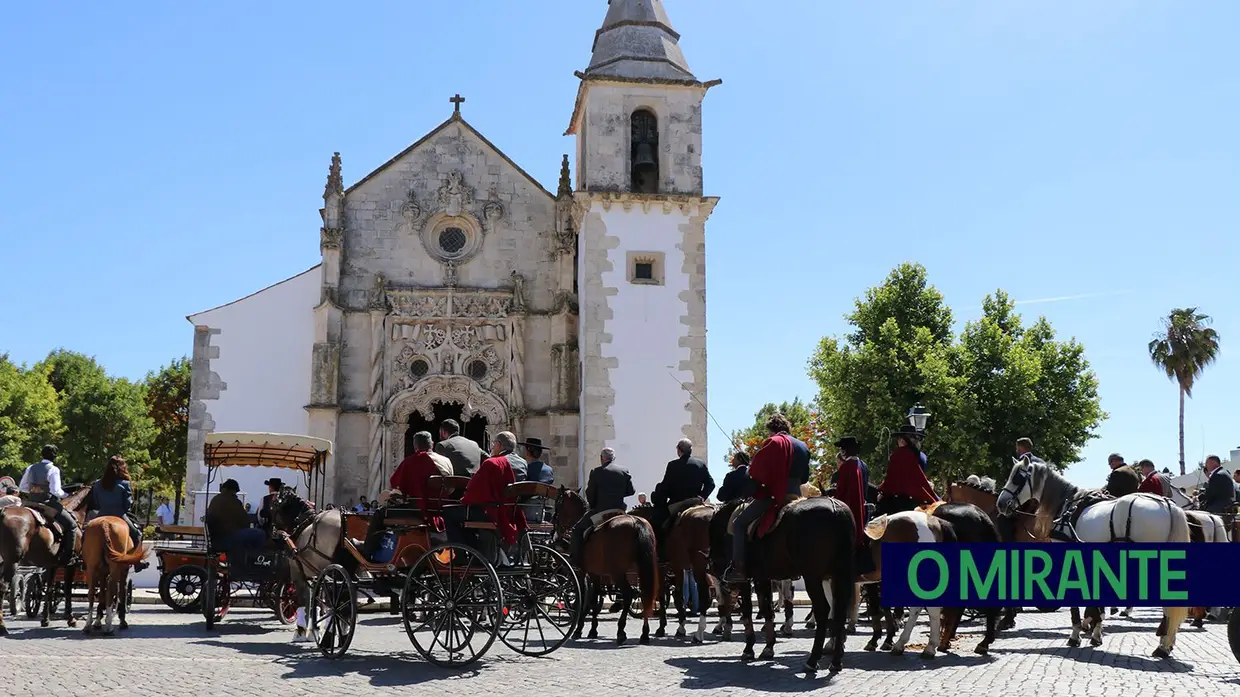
(569, 507)
(1019, 488)
(287, 509)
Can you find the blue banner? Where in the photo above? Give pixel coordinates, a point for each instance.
(1061, 575)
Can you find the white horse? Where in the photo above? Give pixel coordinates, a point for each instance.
(1141, 518)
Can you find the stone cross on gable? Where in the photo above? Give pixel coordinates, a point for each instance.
(456, 103)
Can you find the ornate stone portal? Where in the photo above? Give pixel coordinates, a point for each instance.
(447, 346)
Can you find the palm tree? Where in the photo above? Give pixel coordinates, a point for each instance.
(1183, 348)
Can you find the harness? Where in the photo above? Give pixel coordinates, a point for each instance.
(1163, 502)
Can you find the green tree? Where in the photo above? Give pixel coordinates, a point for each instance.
(1182, 349)
(805, 426)
(29, 416)
(999, 382)
(1019, 381)
(167, 403)
(103, 416)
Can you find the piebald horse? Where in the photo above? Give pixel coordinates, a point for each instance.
(1137, 518)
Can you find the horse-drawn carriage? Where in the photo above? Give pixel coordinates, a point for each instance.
(220, 576)
(30, 588)
(454, 599)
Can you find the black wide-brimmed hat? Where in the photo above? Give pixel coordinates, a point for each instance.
(230, 484)
(274, 481)
(907, 431)
(846, 441)
(535, 443)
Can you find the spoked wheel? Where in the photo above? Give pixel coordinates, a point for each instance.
(181, 588)
(216, 599)
(286, 602)
(333, 611)
(32, 596)
(541, 607)
(452, 605)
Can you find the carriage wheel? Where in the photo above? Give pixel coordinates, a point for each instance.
(333, 611)
(541, 608)
(32, 598)
(181, 588)
(216, 599)
(452, 605)
(1233, 633)
(286, 602)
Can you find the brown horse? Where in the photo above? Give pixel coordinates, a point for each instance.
(24, 541)
(616, 545)
(107, 556)
(686, 548)
(813, 539)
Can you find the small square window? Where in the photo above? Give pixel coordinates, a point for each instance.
(645, 268)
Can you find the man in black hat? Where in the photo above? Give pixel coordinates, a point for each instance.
(230, 524)
(265, 517)
(536, 470)
(737, 484)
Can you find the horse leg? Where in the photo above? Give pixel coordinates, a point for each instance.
(855, 613)
(936, 634)
(820, 598)
(1075, 640)
(302, 589)
(992, 619)
(8, 570)
(747, 614)
(1095, 634)
(1126, 612)
(109, 597)
(70, 572)
(914, 613)
(1009, 619)
(626, 602)
(786, 595)
(889, 618)
(951, 620)
(703, 600)
(90, 622)
(598, 607)
(122, 588)
(1174, 617)
(766, 611)
(49, 580)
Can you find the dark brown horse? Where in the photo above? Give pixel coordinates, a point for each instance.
(813, 539)
(25, 542)
(686, 549)
(616, 546)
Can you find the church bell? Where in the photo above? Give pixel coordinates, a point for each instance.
(644, 157)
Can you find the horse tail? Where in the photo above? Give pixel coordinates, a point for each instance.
(115, 557)
(647, 567)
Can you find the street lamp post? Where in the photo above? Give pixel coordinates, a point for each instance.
(918, 417)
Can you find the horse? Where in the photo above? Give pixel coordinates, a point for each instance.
(107, 556)
(314, 540)
(972, 525)
(1140, 518)
(686, 548)
(617, 543)
(813, 539)
(24, 541)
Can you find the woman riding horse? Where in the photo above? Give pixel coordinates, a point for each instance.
(112, 495)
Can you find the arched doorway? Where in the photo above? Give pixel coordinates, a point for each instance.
(474, 429)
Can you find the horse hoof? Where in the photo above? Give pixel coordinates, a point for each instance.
(72, 622)
(593, 634)
(697, 639)
(1094, 641)
(717, 630)
(767, 654)
(811, 669)
(1160, 652)
(44, 623)
(785, 632)
(620, 639)
(897, 651)
(928, 654)
(645, 640)
(981, 650)
(835, 669)
(887, 646)
(681, 634)
(870, 646)
(660, 632)
(1074, 643)
(727, 636)
(747, 655)
(1006, 625)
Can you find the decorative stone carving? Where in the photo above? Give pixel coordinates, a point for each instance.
(455, 194)
(493, 211)
(411, 210)
(448, 389)
(449, 274)
(330, 237)
(466, 338)
(417, 305)
(325, 374)
(518, 291)
(378, 294)
(496, 365)
(481, 306)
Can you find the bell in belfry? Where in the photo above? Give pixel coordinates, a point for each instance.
(644, 158)
(645, 170)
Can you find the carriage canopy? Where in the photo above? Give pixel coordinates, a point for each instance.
(281, 450)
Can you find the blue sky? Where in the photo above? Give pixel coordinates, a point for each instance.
(162, 158)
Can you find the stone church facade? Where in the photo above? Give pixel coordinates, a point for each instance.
(452, 284)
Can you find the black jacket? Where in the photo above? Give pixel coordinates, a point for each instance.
(1122, 481)
(685, 478)
(798, 469)
(1220, 493)
(737, 485)
(608, 486)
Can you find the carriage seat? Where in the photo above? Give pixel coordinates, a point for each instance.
(597, 520)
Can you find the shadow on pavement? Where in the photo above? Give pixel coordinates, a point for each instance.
(1087, 654)
(786, 673)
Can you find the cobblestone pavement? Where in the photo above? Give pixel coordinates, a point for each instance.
(250, 654)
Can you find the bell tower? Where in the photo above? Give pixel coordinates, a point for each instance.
(641, 215)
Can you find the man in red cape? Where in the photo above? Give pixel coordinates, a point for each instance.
(850, 490)
(484, 497)
(409, 479)
(905, 487)
(774, 478)
(1153, 482)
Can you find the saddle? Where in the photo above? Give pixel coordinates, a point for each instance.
(752, 530)
(678, 509)
(597, 520)
(1064, 527)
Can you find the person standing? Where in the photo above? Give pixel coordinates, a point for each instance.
(465, 454)
(164, 514)
(1220, 492)
(41, 482)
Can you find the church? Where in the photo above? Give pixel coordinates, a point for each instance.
(453, 285)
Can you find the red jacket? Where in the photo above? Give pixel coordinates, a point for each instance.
(906, 478)
(1153, 484)
(850, 489)
(770, 470)
(410, 477)
(486, 488)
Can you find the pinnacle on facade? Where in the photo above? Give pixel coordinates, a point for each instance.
(566, 183)
(637, 41)
(335, 184)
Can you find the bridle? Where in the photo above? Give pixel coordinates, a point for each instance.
(1020, 478)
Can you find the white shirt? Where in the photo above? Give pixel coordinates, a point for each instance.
(164, 513)
(53, 480)
(6, 501)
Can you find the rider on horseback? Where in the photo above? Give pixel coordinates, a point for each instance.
(1121, 481)
(850, 490)
(779, 468)
(686, 483)
(112, 495)
(906, 487)
(41, 484)
(608, 486)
